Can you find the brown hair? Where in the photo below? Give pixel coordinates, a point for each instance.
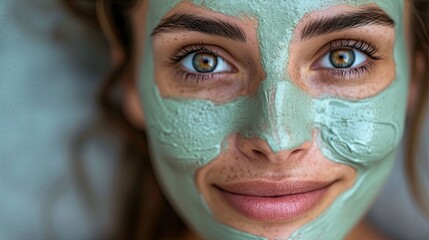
(420, 20)
(144, 217)
(143, 212)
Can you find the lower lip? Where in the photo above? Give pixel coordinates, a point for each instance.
(274, 209)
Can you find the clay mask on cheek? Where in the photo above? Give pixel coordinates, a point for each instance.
(188, 134)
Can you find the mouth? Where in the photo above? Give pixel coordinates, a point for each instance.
(273, 201)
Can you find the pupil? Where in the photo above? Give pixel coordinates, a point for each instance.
(204, 62)
(342, 58)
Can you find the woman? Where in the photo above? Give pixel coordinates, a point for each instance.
(267, 119)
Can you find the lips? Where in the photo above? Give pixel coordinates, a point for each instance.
(273, 201)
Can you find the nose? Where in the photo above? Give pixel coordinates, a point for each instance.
(281, 129)
(285, 117)
(258, 149)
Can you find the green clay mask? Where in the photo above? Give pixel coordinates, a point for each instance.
(187, 134)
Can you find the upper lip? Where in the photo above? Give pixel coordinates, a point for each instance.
(264, 188)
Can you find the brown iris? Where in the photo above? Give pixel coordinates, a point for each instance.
(204, 62)
(342, 58)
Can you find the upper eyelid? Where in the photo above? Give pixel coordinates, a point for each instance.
(358, 44)
(218, 51)
(184, 51)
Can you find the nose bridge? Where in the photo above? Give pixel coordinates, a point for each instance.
(287, 115)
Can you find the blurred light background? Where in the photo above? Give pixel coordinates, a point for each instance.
(50, 68)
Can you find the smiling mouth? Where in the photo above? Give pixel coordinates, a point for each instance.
(273, 201)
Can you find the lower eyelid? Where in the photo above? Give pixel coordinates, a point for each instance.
(191, 78)
(350, 73)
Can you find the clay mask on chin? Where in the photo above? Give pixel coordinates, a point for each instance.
(188, 134)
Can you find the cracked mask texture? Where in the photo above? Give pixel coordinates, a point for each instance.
(187, 134)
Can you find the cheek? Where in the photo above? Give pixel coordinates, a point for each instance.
(363, 132)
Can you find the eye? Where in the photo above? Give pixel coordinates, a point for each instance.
(343, 58)
(205, 62)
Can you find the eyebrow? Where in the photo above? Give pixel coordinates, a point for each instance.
(189, 22)
(367, 16)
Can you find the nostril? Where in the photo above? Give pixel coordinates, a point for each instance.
(257, 152)
(297, 153)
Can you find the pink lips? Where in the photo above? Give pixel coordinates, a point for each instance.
(273, 201)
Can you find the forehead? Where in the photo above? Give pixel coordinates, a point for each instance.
(273, 13)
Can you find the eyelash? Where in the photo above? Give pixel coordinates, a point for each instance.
(352, 73)
(186, 50)
(358, 44)
(342, 74)
(357, 72)
(183, 52)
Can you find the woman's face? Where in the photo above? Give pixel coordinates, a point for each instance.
(273, 119)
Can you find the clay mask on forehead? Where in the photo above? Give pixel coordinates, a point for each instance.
(187, 134)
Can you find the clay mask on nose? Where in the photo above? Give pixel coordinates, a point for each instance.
(188, 134)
